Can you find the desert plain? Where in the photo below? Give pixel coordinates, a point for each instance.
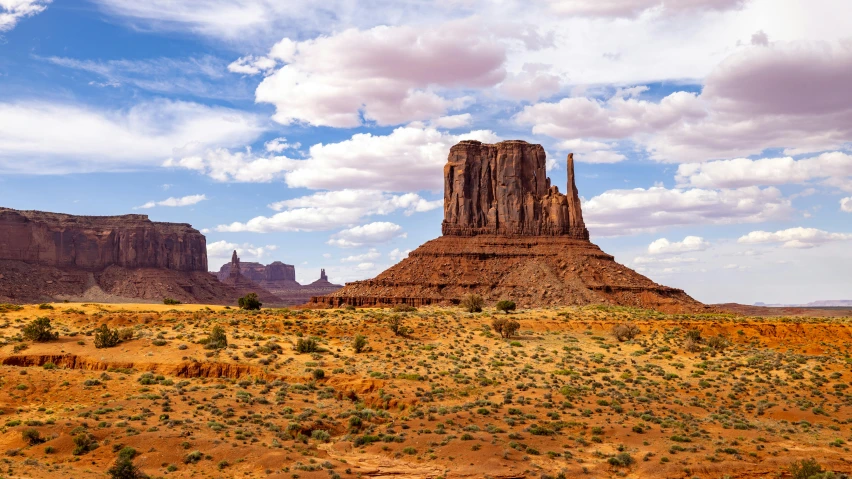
(433, 393)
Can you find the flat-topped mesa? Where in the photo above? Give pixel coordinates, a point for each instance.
(503, 189)
(93, 243)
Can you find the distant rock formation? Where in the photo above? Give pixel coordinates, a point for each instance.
(509, 234)
(49, 256)
(233, 276)
(278, 279)
(503, 189)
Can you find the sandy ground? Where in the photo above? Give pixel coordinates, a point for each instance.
(745, 398)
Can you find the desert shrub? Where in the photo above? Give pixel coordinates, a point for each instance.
(124, 467)
(320, 435)
(396, 326)
(403, 308)
(217, 339)
(125, 334)
(45, 306)
(7, 307)
(505, 327)
(40, 330)
(805, 469)
(694, 335)
(170, 301)
(359, 343)
(318, 374)
(472, 303)
(193, 457)
(306, 346)
(625, 332)
(622, 459)
(83, 443)
(719, 343)
(105, 337)
(692, 345)
(505, 306)
(31, 436)
(249, 302)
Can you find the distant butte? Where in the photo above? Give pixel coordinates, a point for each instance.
(276, 279)
(509, 234)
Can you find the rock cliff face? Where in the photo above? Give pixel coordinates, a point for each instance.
(257, 272)
(503, 189)
(509, 234)
(53, 256)
(93, 243)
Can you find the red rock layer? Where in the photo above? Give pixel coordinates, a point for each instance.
(92, 243)
(504, 189)
(533, 271)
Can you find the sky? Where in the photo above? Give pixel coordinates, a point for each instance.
(712, 136)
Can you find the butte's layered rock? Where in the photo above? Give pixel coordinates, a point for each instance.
(278, 279)
(48, 256)
(509, 234)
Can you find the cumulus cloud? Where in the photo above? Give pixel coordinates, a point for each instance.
(38, 137)
(361, 258)
(652, 260)
(623, 212)
(743, 109)
(846, 204)
(452, 121)
(219, 253)
(241, 166)
(389, 75)
(794, 237)
(533, 82)
(12, 11)
(328, 210)
(172, 201)
(591, 151)
(766, 171)
(280, 144)
(372, 233)
(252, 65)
(663, 246)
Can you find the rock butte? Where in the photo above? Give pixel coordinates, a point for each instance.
(276, 279)
(509, 234)
(48, 256)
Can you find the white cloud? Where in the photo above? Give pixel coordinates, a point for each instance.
(398, 255)
(533, 82)
(327, 210)
(241, 166)
(452, 122)
(644, 260)
(690, 243)
(766, 171)
(50, 138)
(591, 151)
(280, 144)
(172, 201)
(846, 204)
(219, 253)
(634, 8)
(12, 11)
(251, 65)
(622, 212)
(360, 258)
(372, 233)
(794, 237)
(389, 75)
(408, 159)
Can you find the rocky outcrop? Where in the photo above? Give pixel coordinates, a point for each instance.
(243, 284)
(277, 279)
(53, 256)
(509, 234)
(503, 189)
(93, 243)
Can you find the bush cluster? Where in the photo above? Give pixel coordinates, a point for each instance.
(249, 302)
(472, 303)
(625, 332)
(505, 327)
(40, 330)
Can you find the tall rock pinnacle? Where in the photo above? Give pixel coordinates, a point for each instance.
(503, 189)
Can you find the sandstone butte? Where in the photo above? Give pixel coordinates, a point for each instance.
(509, 234)
(50, 256)
(276, 279)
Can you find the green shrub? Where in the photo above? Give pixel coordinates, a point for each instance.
(105, 337)
(403, 308)
(318, 374)
(306, 346)
(31, 436)
(45, 306)
(217, 339)
(124, 467)
(193, 457)
(622, 459)
(40, 330)
(170, 301)
(505, 306)
(83, 443)
(359, 343)
(249, 302)
(397, 327)
(805, 469)
(505, 327)
(472, 303)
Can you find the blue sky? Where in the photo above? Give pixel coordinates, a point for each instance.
(712, 139)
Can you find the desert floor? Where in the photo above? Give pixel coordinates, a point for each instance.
(690, 396)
